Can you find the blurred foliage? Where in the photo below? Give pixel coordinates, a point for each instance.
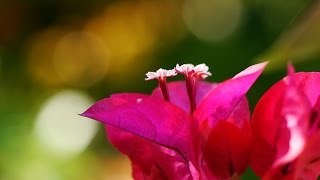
(102, 47)
(299, 43)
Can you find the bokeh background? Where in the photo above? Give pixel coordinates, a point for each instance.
(57, 57)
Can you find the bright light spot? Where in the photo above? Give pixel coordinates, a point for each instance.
(139, 100)
(59, 127)
(212, 20)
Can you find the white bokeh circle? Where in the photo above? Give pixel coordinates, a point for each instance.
(212, 20)
(59, 127)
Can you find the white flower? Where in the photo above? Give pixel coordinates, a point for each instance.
(184, 68)
(160, 73)
(202, 70)
(198, 70)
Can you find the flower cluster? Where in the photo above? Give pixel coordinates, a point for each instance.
(285, 129)
(194, 129)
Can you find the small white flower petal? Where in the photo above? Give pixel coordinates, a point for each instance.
(200, 69)
(151, 75)
(184, 68)
(160, 73)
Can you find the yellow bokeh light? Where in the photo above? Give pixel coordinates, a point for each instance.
(80, 57)
(40, 51)
(133, 30)
(123, 36)
(65, 57)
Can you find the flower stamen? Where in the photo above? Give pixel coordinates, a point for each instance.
(161, 75)
(192, 75)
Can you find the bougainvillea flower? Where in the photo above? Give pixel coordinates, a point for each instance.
(286, 131)
(183, 130)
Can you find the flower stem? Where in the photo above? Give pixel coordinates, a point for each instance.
(163, 87)
(190, 82)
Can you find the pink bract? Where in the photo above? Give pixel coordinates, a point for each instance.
(168, 136)
(285, 127)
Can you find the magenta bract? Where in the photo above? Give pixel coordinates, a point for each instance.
(285, 127)
(197, 130)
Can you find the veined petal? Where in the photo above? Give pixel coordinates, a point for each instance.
(222, 100)
(173, 165)
(149, 160)
(241, 113)
(141, 116)
(114, 101)
(138, 150)
(239, 116)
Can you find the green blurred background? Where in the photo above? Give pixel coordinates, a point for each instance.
(59, 56)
